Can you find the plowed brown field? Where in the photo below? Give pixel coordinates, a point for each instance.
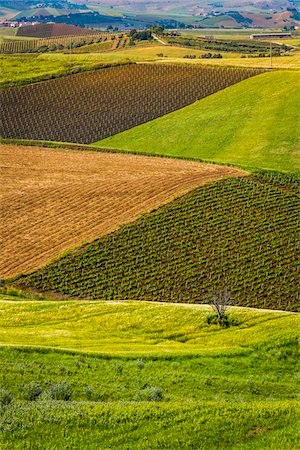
(55, 199)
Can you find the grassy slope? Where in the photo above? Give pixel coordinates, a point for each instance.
(137, 328)
(254, 123)
(182, 251)
(242, 380)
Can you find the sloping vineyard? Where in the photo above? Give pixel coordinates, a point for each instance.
(240, 234)
(53, 43)
(89, 107)
(46, 30)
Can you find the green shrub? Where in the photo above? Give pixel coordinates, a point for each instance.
(226, 321)
(5, 397)
(32, 391)
(60, 391)
(150, 394)
(140, 364)
(88, 392)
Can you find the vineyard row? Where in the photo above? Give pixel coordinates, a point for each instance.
(92, 106)
(239, 234)
(56, 43)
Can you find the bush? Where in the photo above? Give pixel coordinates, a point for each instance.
(32, 391)
(140, 364)
(5, 397)
(154, 394)
(43, 49)
(226, 321)
(89, 392)
(150, 394)
(60, 391)
(119, 368)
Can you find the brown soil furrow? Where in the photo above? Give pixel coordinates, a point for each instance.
(56, 199)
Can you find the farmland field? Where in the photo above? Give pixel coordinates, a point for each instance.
(47, 30)
(240, 234)
(119, 230)
(108, 101)
(291, 61)
(52, 43)
(254, 123)
(25, 68)
(85, 195)
(111, 375)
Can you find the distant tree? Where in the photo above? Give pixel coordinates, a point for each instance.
(140, 35)
(157, 29)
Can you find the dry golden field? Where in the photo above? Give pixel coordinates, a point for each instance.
(56, 199)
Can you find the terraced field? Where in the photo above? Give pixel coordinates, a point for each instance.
(240, 234)
(99, 104)
(52, 200)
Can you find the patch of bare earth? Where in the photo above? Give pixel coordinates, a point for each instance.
(56, 199)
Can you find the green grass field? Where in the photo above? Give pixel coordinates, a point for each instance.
(137, 375)
(183, 250)
(254, 123)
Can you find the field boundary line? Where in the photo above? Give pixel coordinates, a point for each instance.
(91, 148)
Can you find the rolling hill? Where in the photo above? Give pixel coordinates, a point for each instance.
(238, 234)
(254, 123)
(136, 375)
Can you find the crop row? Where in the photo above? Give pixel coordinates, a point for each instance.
(89, 107)
(55, 43)
(46, 30)
(239, 234)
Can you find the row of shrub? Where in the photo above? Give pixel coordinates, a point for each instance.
(229, 46)
(69, 45)
(205, 56)
(62, 391)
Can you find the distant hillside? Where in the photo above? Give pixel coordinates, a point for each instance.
(216, 14)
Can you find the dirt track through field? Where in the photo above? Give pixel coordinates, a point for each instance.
(56, 199)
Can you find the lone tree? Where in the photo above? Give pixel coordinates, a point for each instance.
(220, 302)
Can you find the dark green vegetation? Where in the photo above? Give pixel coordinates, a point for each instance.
(254, 123)
(240, 46)
(149, 388)
(100, 104)
(237, 234)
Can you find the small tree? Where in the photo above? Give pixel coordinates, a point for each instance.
(220, 303)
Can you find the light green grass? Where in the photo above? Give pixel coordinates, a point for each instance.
(128, 328)
(253, 123)
(27, 68)
(147, 376)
